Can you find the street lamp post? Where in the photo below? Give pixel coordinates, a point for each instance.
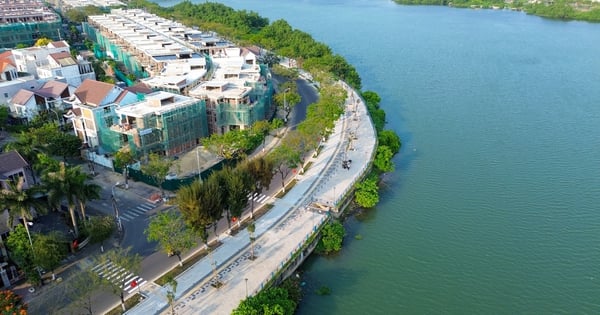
(246, 287)
(285, 107)
(198, 161)
(115, 208)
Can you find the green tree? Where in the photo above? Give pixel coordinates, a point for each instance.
(169, 229)
(123, 159)
(332, 236)
(3, 117)
(231, 145)
(86, 192)
(21, 252)
(20, 203)
(366, 194)
(49, 250)
(262, 128)
(288, 98)
(100, 228)
(390, 139)
(383, 159)
(272, 301)
(42, 42)
(11, 303)
(236, 188)
(157, 168)
(81, 290)
(65, 145)
(269, 58)
(65, 184)
(260, 173)
(118, 258)
(251, 231)
(284, 158)
(171, 284)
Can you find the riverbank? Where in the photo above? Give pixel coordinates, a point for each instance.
(569, 10)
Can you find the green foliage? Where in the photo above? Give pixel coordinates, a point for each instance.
(377, 114)
(200, 205)
(270, 59)
(232, 145)
(21, 45)
(270, 301)
(383, 159)
(169, 229)
(157, 168)
(332, 236)
(42, 42)
(358, 237)
(100, 228)
(124, 157)
(390, 139)
(284, 158)
(366, 194)
(49, 250)
(64, 145)
(559, 9)
(3, 116)
(64, 184)
(21, 253)
(11, 303)
(80, 14)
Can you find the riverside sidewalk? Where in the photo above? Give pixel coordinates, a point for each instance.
(293, 218)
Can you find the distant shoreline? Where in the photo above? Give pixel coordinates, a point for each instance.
(569, 10)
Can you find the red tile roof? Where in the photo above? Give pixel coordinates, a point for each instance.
(64, 59)
(92, 92)
(52, 89)
(21, 97)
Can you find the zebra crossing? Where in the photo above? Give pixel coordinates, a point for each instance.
(119, 276)
(258, 198)
(137, 211)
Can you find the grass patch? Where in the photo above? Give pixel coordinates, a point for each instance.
(307, 166)
(129, 303)
(288, 187)
(186, 264)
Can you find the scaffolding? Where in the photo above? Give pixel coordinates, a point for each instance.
(167, 132)
(28, 33)
(107, 47)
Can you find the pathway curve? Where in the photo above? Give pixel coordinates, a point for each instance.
(280, 232)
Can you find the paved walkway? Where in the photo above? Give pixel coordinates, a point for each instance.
(293, 218)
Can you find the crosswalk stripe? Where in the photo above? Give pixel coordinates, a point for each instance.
(138, 211)
(262, 198)
(128, 216)
(119, 276)
(146, 206)
(124, 219)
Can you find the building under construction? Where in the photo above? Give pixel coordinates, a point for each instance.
(25, 21)
(164, 123)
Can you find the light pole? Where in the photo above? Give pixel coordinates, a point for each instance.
(198, 161)
(27, 224)
(115, 208)
(246, 287)
(285, 107)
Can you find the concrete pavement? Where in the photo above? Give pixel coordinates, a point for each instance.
(293, 218)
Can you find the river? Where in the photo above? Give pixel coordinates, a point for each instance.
(494, 207)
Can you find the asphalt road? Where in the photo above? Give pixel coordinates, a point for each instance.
(155, 262)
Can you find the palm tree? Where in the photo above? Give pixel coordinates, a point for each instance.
(85, 193)
(64, 184)
(21, 202)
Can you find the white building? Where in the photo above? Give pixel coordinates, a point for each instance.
(53, 61)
